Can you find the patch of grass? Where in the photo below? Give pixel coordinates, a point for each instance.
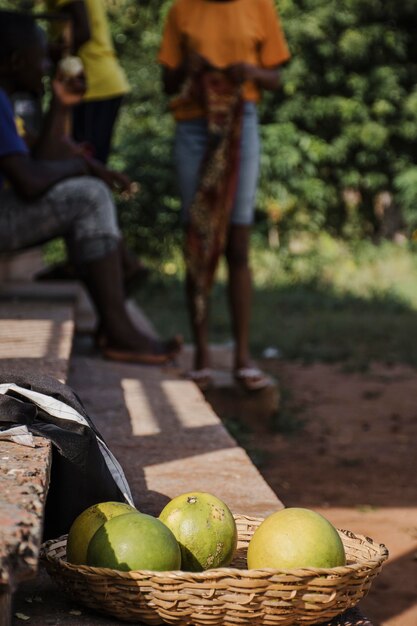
(328, 302)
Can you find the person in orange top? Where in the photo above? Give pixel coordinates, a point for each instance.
(217, 56)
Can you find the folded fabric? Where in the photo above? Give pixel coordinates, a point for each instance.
(18, 434)
(84, 470)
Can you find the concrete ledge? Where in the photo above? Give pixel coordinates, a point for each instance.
(24, 478)
(33, 335)
(39, 335)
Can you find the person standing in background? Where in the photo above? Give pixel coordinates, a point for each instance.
(84, 32)
(89, 38)
(217, 57)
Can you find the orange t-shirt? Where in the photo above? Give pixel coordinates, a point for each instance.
(236, 31)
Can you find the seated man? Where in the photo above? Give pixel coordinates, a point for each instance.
(41, 198)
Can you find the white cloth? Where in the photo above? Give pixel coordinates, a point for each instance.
(18, 434)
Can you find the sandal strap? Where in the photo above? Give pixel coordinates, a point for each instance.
(199, 374)
(251, 378)
(249, 372)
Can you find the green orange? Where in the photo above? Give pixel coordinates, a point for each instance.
(87, 523)
(134, 541)
(293, 538)
(204, 528)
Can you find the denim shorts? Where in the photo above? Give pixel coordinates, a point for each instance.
(189, 148)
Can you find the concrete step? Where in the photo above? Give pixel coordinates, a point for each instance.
(37, 334)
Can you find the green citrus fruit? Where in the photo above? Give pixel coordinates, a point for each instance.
(293, 538)
(134, 541)
(205, 529)
(85, 526)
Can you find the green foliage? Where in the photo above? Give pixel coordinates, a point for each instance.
(347, 114)
(406, 187)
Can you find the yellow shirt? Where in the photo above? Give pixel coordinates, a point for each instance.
(105, 77)
(20, 126)
(237, 31)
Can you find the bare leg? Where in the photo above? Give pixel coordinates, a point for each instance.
(135, 272)
(199, 328)
(123, 341)
(240, 291)
(240, 299)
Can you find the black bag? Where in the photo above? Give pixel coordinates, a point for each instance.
(84, 471)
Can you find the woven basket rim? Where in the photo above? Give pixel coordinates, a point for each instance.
(224, 571)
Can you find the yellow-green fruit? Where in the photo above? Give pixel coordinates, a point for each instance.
(204, 528)
(134, 541)
(293, 538)
(87, 523)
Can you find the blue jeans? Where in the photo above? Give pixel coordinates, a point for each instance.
(189, 149)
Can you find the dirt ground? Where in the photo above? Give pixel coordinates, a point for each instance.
(344, 445)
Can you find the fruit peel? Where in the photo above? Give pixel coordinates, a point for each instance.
(295, 538)
(134, 541)
(204, 528)
(86, 525)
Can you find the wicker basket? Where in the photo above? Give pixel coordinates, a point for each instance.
(224, 596)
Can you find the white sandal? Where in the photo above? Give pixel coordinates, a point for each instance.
(251, 378)
(202, 378)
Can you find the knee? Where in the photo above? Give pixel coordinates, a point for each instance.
(97, 205)
(95, 192)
